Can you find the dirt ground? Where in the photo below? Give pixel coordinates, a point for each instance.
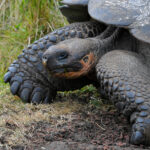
(88, 128)
(85, 130)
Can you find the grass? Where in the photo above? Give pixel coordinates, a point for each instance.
(21, 23)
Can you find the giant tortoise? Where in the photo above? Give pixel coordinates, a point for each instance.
(111, 50)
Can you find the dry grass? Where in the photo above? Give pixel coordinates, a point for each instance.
(16, 117)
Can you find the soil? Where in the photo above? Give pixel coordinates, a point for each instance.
(85, 130)
(89, 128)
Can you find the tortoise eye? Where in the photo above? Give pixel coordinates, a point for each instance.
(85, 59)
(62, 55)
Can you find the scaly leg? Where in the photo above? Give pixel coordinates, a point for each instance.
(125, 78)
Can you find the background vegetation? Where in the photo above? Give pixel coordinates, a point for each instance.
(21, 23)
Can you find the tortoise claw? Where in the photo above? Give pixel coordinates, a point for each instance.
(7, 77)
(14, 87)
(37, 98)
(46, 100)
(25, 94)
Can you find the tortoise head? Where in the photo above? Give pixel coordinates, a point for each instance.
(70, 59)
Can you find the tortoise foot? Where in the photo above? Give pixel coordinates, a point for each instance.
(141, 131)
(125, 79)
(30, 87)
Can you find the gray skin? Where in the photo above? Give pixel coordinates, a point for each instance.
(123, 73)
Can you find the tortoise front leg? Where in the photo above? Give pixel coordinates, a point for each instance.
(125, 79)
(29, 79)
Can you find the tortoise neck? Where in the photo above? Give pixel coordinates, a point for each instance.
(106, 42)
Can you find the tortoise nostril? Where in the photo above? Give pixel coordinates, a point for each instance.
(45, 58)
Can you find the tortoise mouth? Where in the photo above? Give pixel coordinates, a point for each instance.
(75, 70)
